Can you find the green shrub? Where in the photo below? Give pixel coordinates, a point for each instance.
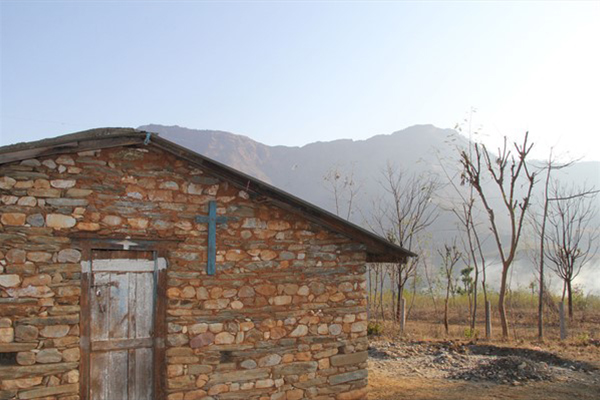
(374, 328)
(471, 333)
(583, 339)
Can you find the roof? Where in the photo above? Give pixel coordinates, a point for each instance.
(378, 248)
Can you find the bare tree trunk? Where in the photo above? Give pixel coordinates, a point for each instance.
(542, 242)
(501, 303)
(414, 294)
(399, 297)
(430, 285)
(570, 299)
(382, 279)
(474, 314)
(446, 308)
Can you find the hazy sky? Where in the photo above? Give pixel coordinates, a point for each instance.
(296, 72)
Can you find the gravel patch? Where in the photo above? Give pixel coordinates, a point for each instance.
(471, 362)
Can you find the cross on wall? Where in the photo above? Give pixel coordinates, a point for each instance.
(212, 220)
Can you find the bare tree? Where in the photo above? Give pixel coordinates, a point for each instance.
(450, 257)
(571, 240)
(540, 228)
(466, 211)
(473, 250)
(506, 171)
(344, 189)
(376, 274)
(401, 214)
(430, 284)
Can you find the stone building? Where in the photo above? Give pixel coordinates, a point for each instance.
(133, 268)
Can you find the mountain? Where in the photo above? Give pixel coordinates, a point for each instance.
(301, 170)
(420, 149)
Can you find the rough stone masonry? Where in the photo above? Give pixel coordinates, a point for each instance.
(284, 317)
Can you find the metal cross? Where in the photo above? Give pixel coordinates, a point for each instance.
(212, 220)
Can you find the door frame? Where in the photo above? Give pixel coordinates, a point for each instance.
(159, 247)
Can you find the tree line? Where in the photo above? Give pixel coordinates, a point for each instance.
(493, 201)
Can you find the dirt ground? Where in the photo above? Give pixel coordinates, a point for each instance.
(454, 370)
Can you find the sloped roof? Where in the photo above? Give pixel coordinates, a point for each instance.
(378, 249)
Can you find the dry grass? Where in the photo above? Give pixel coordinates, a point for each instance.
(383, 388)
(424, 320)
(424, 323)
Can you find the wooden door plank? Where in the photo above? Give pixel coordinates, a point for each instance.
(143, 374)
(144, 315)
(117, 376)
(99, 306)
(118, 306)
(99, 367)
(131, 315)
(132, 381)
(121, 344)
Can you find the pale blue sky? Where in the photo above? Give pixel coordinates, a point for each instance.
(296, 72)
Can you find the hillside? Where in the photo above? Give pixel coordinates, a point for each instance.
(417, 149)
(301, 170)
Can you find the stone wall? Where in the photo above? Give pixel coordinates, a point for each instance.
(283, 318)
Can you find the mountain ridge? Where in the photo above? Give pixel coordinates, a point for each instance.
(419, 149)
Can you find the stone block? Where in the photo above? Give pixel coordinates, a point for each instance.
(7, 335)
(26, 333)
(49, 391)
(341, 360)
(6, 182)
(43, 192)
(63, 183)
(112, 220)
(16, 256)
(48, 356)
(78, 193)
(31, 291)
(239, 376)
(13, 372)
(25, 358)
(27, 201)
(248, 364)
(35, 220)
(60, 221)
(13, 219)
(348, 377)
(70, 355)
(88, 226)
(281, 300)
(67, 202)
(10, 280)
(300, 330)
(296, 368)
(69, 256)
(202, 340)
(224, 338)
(39, 256)
(22, 383)
(269, 360)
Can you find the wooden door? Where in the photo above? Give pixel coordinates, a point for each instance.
(121, 310)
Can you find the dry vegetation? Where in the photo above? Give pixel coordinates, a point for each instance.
(424, 362)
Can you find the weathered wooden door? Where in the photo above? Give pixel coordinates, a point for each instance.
(121, 311)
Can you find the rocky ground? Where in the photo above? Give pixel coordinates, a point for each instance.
(469, 368)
